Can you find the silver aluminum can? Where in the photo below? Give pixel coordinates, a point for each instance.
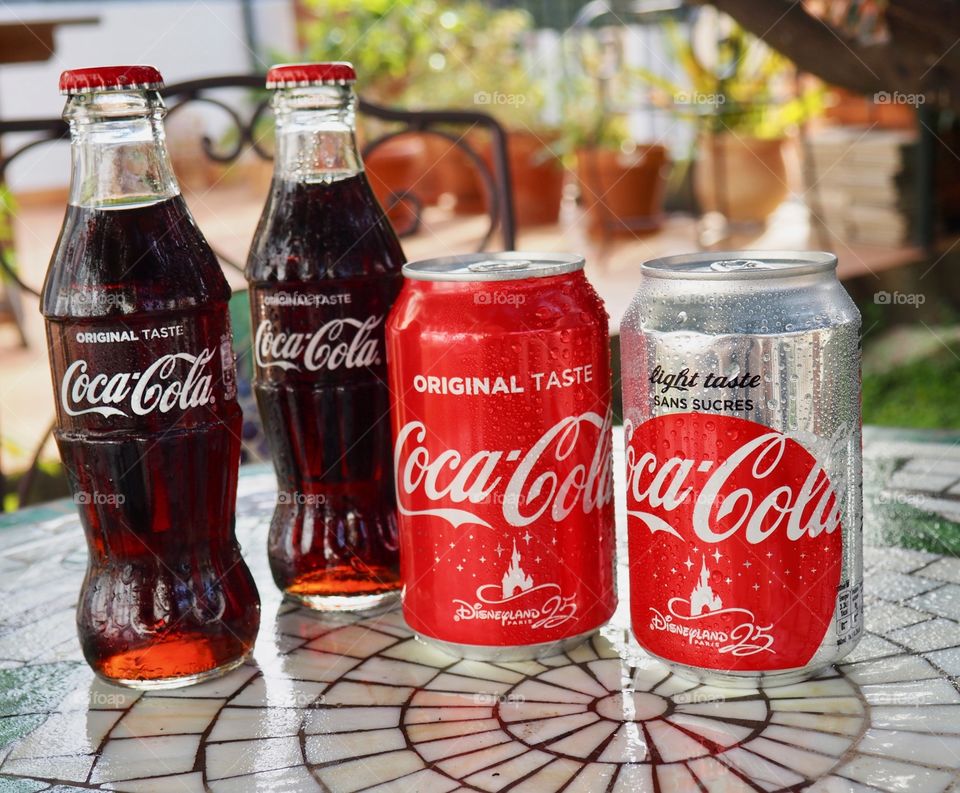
(741, 392)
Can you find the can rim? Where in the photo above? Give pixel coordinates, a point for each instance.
(500, 266)
(791, 263)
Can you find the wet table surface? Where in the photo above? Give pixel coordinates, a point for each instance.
(348, 705)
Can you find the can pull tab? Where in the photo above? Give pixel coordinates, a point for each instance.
(498, 267)
(732, 265)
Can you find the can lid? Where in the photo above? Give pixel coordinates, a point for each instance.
(502, 266)
(294, 75)
(739, 265)
(110, 78)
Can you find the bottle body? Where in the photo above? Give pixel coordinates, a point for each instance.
(148, 429)
(324, 269)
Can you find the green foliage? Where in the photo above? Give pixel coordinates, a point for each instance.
(432, 54)
(732, 81)
(7, 208)
(921, 394)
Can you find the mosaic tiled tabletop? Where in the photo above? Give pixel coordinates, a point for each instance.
(350, 705)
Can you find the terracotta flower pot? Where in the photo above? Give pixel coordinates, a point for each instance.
(537, 177)
(393, 168)
(743, 178)
(622, 194)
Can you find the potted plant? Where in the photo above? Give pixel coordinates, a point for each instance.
(481, 66)
(621, 180)
(735, 93)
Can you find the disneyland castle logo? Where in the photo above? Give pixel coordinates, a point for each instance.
(517, 600)
(702, 620)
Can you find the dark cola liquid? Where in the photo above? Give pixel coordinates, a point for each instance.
(324, 270)
(149, 434)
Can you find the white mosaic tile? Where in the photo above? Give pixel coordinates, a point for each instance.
(912, 747)
(73, 733)
(284, 780)
(896, 587)
(158, 715)
(948, 660)
(893, 775)
(944, 601)
(247, 757)
(176, 783)
(322, 749)
(359, 774)
(943, 569)
(239, 724)
(935, 634)
(129, 758)
(377, 710)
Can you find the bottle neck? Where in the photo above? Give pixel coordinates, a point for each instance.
(118, 149)
(316, 137)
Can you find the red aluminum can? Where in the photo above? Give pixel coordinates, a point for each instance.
(499, 369)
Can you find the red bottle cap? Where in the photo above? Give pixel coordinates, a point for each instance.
(291, 75)
(110, 78)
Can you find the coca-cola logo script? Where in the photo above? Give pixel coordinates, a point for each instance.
(735, 543)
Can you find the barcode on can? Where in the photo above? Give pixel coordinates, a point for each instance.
(849, 612)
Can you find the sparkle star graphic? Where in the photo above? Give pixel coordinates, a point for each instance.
(689, 564)
(747, 564)
(769, 555)
(526, 537)
(717, 555)
(728, 580)
(460, 567)
(499, 550)
(673, 569)
(436, 558)
(756, 587)
(483, 559)
(537, 560)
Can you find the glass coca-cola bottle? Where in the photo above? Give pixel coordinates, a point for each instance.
(324, 270)
(148, 424)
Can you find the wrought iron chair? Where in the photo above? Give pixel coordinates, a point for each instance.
(244, 118)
